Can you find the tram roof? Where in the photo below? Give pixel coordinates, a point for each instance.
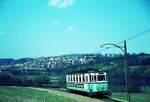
(86, 71)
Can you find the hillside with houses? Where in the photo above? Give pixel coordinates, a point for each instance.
(51, 71)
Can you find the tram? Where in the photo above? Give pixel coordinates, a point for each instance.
(92, 83)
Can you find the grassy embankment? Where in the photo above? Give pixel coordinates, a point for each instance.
(23, 94)
(135, 97)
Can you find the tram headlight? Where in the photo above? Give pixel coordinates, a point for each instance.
(107, 89)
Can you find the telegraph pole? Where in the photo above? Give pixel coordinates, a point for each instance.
(124, 49)
(126, 71)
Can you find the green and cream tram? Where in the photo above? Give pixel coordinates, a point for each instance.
(92, 83)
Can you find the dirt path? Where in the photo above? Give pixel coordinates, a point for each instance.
(78, 98)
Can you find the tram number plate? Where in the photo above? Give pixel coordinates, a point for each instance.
(75, 85)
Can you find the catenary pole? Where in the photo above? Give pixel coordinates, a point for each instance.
(126, 71)
(124, 49)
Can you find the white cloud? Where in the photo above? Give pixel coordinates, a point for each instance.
(61, 3)
(55, 23)
(70, 29)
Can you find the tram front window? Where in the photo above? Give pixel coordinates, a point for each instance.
(101, 78)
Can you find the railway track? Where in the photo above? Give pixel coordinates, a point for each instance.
(103, 99)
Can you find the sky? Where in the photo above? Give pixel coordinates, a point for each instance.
(34, 28)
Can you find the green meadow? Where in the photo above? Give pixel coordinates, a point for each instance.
(135, 97)
(25, 94)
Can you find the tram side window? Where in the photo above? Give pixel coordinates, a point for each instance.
(69, 78)
(90, 76)
(74, 78)
(83, 78)
(86, 78)
(101, 77)
(95, 78)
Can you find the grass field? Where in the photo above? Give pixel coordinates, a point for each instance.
(23, 94)
(135, 97)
